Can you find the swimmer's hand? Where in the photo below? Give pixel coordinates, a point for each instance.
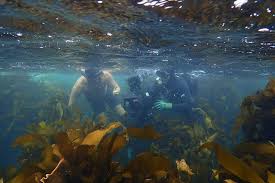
(116, 91)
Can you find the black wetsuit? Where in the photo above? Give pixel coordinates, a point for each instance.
(176, 91)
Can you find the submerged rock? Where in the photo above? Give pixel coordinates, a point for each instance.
(257, 117)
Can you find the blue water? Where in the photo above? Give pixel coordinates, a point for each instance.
(50, 49)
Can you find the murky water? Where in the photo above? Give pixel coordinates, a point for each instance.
(228, 47)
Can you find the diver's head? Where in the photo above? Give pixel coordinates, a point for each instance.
(163, 76)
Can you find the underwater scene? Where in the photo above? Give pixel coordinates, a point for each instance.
(137, 91)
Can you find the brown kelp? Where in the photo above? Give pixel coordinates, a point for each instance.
(250, 161)
(256, 148)
(271, 177)
(181, 139)
(72, 148)
(95, 137)
(257, 118)
(147, 133)
(245, 164)
(91, 159)
(151, 168)
(253, 159)
(184, 167)
(233, 164)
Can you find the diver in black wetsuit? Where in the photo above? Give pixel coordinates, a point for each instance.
(170, 93)
(173, 92)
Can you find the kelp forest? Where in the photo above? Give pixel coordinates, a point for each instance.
(231, 137)
(62, 145)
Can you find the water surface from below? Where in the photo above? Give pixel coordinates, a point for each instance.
(44, 46)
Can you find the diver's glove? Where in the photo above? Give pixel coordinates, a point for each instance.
(161, 105)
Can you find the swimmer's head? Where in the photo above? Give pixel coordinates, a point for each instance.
(92, 68)
(91, 72)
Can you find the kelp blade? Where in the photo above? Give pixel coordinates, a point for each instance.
(28, 140)
(148, 163)
(146, 133)
(95, 137)
(253, 148)
(233, 164)
(271, 177)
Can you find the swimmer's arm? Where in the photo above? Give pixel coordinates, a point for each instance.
(113, 83)
(78, 87)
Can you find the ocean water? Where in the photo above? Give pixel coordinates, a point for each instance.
(44, 46)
